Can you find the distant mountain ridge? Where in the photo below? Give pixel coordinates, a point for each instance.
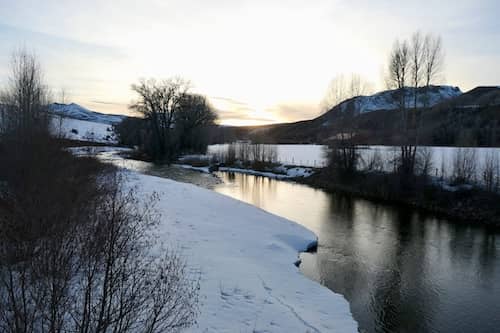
(390, 100)
(449, 117)
(75, 111)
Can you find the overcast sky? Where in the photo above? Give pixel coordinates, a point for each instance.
(258, 61)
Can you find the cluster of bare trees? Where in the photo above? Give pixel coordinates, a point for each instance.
(75, 245)
(24, 103)
(414, 64)
(491, 173)
(342, 154)
(343, 87)
(248, 154)
(466, 169)
(175, 119)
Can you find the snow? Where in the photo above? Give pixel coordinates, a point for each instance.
(94, 150)
(78, 112)
(299, 172)
(78, 123)
(286, 172)
(388, 100)
(187, 166)
(246, 256)
(83, 130)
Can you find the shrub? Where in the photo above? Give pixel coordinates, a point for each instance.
(74, 250)
(464, 166)
(491, 173)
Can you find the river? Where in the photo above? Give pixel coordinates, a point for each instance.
(401, 270)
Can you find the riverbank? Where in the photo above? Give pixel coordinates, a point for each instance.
(283, 172)
(246, 258)
(463, 204)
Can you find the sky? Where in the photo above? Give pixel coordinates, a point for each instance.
(258, 61)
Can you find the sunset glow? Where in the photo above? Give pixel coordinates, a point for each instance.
(258, 62)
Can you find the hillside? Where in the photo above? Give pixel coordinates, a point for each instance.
(82, 130)
(75, 122)
(75, 111)
(450, 118)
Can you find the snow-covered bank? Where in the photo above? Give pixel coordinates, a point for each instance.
(307, 155)
(246, 256)
(285, 173)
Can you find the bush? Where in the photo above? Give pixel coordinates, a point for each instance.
(257, 156)
(343, 159)
(74, 249)
(491, 173)
(464, 166)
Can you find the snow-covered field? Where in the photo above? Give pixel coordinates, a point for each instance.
(246, 256)
(83, 130)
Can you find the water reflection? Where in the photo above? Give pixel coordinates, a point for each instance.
(400, 270)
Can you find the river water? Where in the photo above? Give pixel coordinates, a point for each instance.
(401, 270)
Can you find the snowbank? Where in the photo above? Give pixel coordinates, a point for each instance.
(292, 172)
(246, 256)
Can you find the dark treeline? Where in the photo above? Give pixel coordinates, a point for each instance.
(173, 121)
(74, 242)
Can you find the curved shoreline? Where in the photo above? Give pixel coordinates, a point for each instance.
(228, 239)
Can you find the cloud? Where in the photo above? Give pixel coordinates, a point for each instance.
(234, 112)
(96, 49)
(290, 112)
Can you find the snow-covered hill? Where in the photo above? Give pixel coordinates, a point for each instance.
(74, 122)
(75, 111)
(82, 130)
(390, 99)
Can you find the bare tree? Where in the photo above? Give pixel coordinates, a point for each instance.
(122, 288)
(420, 59)
(26, 98)
(491, 172)
(75, 253)
(433, 61)
(60, 118)
(343, 156)
(343, 87)
(85, 265)
(464, 166)
(158, 103)
(416, 64)
(399, 69)
(399, 63)
(433, 55)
